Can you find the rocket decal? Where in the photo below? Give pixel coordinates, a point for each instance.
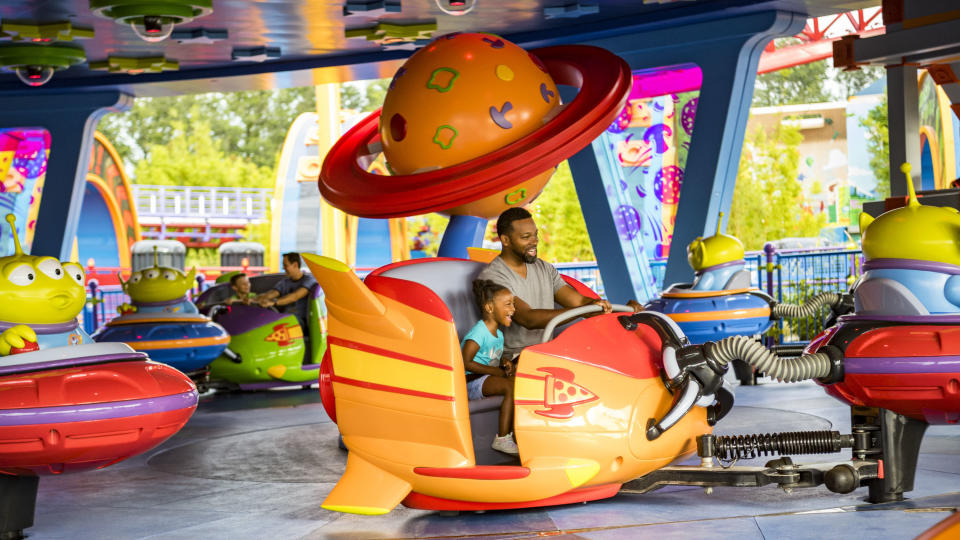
(285, 335)
(560, 393)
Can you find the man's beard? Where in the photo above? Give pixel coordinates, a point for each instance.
(529, 259)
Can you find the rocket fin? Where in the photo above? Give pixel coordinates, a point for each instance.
(350, 301)
(366, 489)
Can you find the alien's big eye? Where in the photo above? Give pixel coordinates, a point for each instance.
(136, 277)
(22, 275)
(51, 267)
(74, 271)
(170, 276)
(151, 274)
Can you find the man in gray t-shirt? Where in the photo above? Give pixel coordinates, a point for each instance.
(536, 285)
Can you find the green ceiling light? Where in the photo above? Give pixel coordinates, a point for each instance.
(43, 33)
(395, 35)
(152, 20)
(34, 63)
(135, 66)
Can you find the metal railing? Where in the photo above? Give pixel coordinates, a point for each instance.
(238, 203)
(795, 276)
(789, 276)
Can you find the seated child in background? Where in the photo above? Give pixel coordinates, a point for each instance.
(240, 284)
(482, 348)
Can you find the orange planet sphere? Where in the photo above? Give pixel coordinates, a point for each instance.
(461, 97)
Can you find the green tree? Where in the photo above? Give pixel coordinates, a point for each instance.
(855, 80)
(251, 125)
(193, 158)
(797, 84)
(816, 82)
(563, 231)
(768, 198)
(363, 96)
(878, 146)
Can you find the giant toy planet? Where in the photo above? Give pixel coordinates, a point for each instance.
(68, 404)
(473, 124)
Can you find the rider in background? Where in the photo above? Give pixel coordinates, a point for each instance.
(290, 294)
(240, 284)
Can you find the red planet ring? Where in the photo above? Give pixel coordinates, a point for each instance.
(604, 81)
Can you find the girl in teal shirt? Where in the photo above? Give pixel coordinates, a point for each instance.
(482, 348)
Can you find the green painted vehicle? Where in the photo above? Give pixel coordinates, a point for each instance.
(267, 349)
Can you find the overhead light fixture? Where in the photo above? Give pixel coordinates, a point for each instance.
(456, 7)
(152, 20)
(136, 65)
(34, 74)
(35, 63)
(43, 33)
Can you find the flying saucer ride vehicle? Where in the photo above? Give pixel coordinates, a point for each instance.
(722, 302)
(893, 360)
(267, 348)
(164, 323)
(68, 404)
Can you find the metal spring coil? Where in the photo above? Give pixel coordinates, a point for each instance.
(798, 442)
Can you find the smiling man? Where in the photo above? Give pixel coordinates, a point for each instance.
(536, 285)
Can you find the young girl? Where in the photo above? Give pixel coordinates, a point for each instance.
(482, 347)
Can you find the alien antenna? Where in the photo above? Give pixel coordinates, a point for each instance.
(905, 169)
(12, 220)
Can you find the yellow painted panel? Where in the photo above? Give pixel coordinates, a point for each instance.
(377, 369)
(528, 389)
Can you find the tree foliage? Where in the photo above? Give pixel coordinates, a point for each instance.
(816, 82)
(768, 197)
(563, 231)
(193, 158)
(364, 96)
(251, 125)
(878, 146)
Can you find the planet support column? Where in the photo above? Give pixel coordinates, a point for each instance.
(462, 232)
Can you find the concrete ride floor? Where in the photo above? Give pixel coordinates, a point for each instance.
(258, 465)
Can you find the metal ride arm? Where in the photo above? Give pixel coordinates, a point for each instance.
(837, 476)
(866, 442)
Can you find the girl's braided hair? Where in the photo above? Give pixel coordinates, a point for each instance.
(484, 290)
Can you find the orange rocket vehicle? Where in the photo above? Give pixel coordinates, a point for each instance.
(592, 410)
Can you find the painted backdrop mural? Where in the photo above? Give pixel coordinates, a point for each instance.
(23, 167)
(644, 153)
